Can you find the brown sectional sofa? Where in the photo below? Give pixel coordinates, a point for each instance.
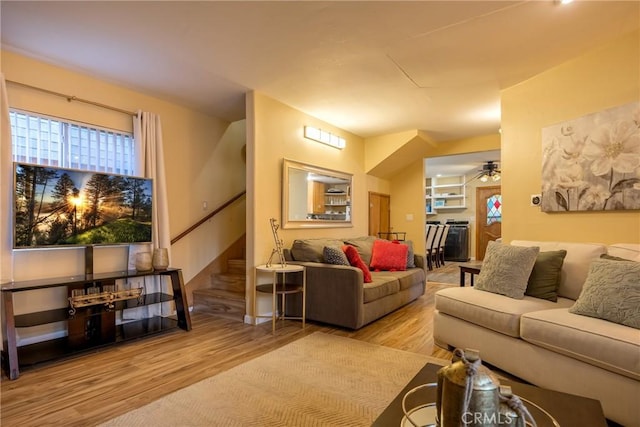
(338, 295)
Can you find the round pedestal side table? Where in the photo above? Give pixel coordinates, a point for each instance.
(279, 288)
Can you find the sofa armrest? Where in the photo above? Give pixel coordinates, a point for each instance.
(419, 261)
(335, 294)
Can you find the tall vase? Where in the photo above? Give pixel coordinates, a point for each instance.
(160, 259)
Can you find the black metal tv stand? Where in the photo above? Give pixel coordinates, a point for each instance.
(91, 322)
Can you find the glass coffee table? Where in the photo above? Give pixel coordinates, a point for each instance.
(567, 409)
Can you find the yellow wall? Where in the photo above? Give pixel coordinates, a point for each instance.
(378, 185)
(604, 78)
(408, 204)
(203, 163)
(379, 148)
(274, 132)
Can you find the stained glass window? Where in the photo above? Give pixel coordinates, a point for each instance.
(494, 209)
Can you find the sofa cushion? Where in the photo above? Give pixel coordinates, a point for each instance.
(597, 342)
(311, 250)
(389, 256)
(611, 292)
(497, 312)
(334, 255)
(545, 276)
(506, 269)
(575, 266)
(364, 245)
(406, 279)
(354, 259)
(380, 287)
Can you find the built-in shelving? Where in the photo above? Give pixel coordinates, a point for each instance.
(444, 193)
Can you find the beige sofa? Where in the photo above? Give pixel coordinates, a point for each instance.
(543, 343)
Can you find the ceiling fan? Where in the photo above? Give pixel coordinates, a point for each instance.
(488, 172)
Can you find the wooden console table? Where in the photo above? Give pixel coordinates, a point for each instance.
(88, 325)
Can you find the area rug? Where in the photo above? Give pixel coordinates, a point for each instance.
(318, 380)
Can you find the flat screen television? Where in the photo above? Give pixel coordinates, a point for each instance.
(67, 207)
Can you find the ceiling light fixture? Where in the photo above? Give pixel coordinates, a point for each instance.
(488, 172)
(324, 137)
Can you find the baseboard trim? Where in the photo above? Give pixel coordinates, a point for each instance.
(250, 320)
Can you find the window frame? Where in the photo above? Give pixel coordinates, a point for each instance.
(98, 148)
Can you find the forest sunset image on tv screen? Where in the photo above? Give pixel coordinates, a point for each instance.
(65, 207)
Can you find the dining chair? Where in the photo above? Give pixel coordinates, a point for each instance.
(435, 245)
(441, 245)
(430, 235)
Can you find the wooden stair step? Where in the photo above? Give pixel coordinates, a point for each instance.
(230, 277)
(237, 266)
(229, 283)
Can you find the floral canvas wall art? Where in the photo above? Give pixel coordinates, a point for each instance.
(592, 163)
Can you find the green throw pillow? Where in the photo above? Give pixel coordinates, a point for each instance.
(506, 269)
(611, 292)
(544, 280)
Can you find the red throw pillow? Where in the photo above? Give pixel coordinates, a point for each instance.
(354, 259)
(391, 256)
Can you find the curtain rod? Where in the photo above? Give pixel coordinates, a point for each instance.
(70, 98)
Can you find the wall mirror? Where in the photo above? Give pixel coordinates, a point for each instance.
(315, 197)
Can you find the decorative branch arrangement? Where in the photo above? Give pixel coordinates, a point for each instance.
(279, 244)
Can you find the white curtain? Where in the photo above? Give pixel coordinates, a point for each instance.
(147, 132)
(6, 187)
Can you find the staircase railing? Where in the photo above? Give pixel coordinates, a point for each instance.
(208, 217)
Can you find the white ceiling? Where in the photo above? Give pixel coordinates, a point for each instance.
(460, 164)
(369, 67)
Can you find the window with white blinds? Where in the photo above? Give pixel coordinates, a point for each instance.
(50, 141)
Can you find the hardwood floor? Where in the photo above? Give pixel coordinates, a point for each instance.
(93, 388)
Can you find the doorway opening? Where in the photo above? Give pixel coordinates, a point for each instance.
(451, 183)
